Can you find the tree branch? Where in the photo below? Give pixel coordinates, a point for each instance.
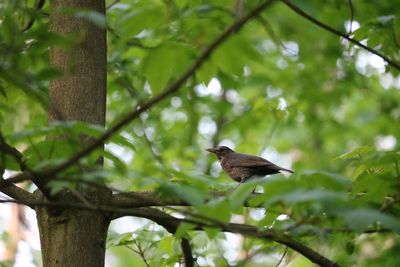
(12, 151)
(187, 252)
(149, 198)
(16, 192)
(168, 222)
(338, 33)
(6, 187)
(351, 16)
(172, 88)
(39, 5)
(171, 223)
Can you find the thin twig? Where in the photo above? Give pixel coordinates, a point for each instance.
(278, 42)
(39, 5)
(12, 151)
(282, 257)
(152, 149)
(141, 252)
(338, 33)
(351, 16)
(112, 4)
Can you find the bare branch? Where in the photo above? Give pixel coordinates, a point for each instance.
(187, 252)
(20, 177)
(338, 33)
(112, 4)
(171, 223)
(7, 187)
(39, 5)
(172, 88)
(12, 151)
(282, 257)
(269, 234)
(15, 192)
(351, 16)
(149, 198)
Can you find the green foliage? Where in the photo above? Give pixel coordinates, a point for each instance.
(280, 87)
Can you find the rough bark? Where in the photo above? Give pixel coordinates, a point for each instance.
(80, 94)
(72, 237)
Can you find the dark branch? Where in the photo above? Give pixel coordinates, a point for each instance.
(338, 33)
(26, 172)
(12, 151)
(39, 5)
(6, 187)
(282, 257)
(172, 223)
(169, 223)
(174, 87)
(15, 192)
(149, 198)
(187, 252)
(351, 16)
(112, 4)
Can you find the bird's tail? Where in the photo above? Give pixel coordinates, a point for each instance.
(286, 170)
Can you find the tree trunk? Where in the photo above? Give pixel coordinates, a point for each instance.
(72, 237)
(81, 93)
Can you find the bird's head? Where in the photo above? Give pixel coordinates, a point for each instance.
(220, 151)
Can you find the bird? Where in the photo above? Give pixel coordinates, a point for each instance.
(241, 167)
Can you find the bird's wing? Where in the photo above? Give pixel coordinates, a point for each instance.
(248, 161)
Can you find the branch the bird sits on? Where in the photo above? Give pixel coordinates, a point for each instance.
(241, 167)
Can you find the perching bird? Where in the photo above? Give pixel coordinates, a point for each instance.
(241, 167)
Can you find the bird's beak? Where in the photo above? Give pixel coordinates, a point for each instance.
(212, 150)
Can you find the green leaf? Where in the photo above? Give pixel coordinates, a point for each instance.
(185, 192)
(276, 186)
(118, 163)
(268, 219)
(139, 18)
(3, 90)
(47, 153)
(158, 67)
(219, 209)
(95, 17)
(241, 194)
(211, 232)
(206, 72)
(166, 244)
(326, 180)
(120, 240)
(183, 229)
(356, 153)
(232, 56)
(8, 162)
(375, 188)
(361, 219)
(57, 186)
(164, 62)
(303, 195)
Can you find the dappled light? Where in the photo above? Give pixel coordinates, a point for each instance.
(109, 111)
